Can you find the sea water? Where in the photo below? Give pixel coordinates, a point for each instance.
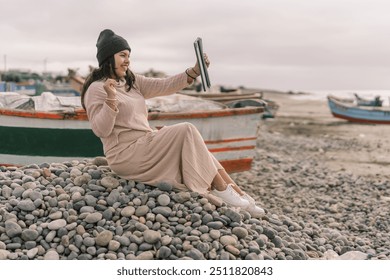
(366, 94)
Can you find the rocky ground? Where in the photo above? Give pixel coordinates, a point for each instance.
(329, 176)
(336, 213)
(321, 203)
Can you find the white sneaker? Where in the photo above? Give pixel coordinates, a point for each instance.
(253, 209)
(231, 197)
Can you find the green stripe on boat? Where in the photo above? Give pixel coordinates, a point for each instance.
(49, 142)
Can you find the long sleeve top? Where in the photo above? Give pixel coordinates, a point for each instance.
(131, 113)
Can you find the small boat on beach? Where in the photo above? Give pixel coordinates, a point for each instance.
(349, 109)
(239, 99)
(31, 136)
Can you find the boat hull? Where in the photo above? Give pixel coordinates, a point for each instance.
(359, 114)
(34, 137)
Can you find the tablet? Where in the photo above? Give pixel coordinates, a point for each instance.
(202, 65)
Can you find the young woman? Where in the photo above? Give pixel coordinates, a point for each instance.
(114, 99)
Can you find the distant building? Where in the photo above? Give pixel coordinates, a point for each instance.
(20, 75)
(31, 83)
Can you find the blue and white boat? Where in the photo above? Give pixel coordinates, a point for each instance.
(348, 109)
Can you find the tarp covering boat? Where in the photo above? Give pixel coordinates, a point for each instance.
(45, 102)
(48, 102)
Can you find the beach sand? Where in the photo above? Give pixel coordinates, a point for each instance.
(367, 146)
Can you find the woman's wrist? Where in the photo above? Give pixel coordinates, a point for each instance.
(196, 72)
(191, 76)
(111, 99)
(192, 73)
(112, 103)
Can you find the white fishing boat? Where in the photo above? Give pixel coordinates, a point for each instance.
(63, 133)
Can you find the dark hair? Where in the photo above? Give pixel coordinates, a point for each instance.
(105, 71)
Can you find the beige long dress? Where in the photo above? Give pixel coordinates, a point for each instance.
(174, 154)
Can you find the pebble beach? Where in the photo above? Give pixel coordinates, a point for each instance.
(323, 182)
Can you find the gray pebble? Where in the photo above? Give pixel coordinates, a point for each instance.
(163, 186)
(57, 224)
(151, 236)
(163, 210)
(142, 210)
(93, 218)
(104, 238)
(195, 254)
(163, 253)
(163, 200)
(12, 228)
(26, 205)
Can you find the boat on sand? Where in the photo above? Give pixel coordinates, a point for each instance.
(350, 110)
(30, 136)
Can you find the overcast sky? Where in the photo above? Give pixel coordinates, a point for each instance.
(275, 44)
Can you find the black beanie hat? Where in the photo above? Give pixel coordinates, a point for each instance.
(109, 44)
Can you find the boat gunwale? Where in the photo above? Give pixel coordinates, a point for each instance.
(62, 115)
(221, 94)
(206, 114)
(81, 115)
